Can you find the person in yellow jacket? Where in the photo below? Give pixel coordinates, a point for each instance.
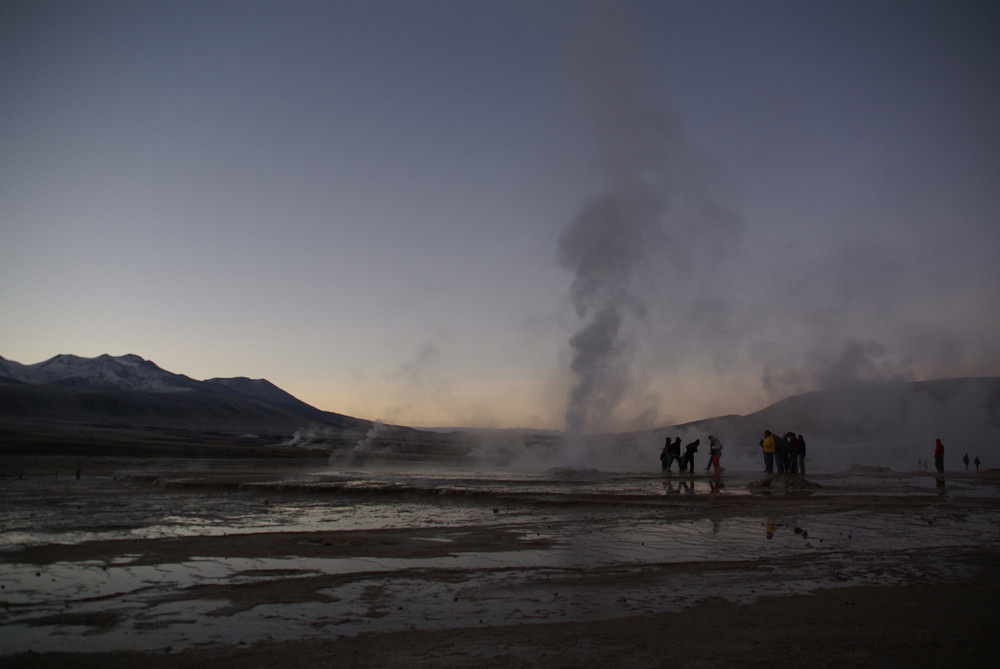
(767, 443)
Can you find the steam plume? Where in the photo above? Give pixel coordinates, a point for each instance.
(605, 243)
(632, 246)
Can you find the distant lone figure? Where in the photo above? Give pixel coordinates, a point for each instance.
(939, 456)
(965, 459)
(977, 463)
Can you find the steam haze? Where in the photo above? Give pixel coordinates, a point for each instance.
(649, 218)
(506, 214)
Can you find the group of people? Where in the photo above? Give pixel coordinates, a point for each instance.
(965, 459)
(672, 451)
(939, 459)
(787, 452)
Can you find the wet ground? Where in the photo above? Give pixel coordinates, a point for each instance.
(164, 556)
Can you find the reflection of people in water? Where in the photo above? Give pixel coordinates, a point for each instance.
(683, 485)
(939, 456)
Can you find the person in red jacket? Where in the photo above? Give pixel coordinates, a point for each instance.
(939, 456)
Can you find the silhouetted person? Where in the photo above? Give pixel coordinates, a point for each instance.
(767, 444)
(802, 455)
(976, 461)
(793, 453)
(689, 451)
(965, 459)
(781, 453)
(939, 456)
(715, 452)
(670, 453)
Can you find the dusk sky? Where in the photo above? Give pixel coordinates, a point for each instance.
(506, 213)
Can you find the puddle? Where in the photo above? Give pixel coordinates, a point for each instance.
(588, 574)
(613, 549)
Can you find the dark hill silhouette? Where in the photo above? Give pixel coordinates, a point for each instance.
(127, 398)
(126, 403)
(891, 424)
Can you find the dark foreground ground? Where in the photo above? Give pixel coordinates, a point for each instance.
(914, 618)
(933, 626)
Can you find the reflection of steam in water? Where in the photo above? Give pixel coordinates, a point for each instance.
(155, 606)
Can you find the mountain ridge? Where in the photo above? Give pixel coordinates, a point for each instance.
(889, 424)
(127, 398)
(115, 396)
(131, 372)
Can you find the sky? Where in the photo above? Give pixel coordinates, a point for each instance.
(506, 213)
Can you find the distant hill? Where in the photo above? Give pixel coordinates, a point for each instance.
(891, 425)
(127, 372)
(127, 404)
(128, 398)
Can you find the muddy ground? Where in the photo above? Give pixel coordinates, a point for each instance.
(876, 569)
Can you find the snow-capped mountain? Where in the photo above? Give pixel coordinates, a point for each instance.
(125, 398)
(131, 372)
(116, 382)
(126, 372)
(129, 405)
